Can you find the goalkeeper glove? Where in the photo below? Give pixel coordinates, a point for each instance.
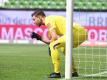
(35, 35)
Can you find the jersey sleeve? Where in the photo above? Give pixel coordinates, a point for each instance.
(50, 23)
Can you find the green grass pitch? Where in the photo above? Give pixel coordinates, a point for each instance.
(32, 62)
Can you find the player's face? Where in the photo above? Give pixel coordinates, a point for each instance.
(37, 20)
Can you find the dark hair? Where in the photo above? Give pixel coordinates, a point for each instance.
(38, 12)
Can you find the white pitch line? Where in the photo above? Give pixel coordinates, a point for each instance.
(97, 74)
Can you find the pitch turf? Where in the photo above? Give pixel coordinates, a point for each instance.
(32, 62)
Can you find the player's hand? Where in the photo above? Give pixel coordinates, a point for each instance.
(35, 35)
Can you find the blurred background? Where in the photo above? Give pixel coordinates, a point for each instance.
(16, 21)
(22, 58)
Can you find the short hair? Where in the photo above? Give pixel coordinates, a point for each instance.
(38, 12)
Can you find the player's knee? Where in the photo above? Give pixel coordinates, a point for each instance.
(51, 45)
(55, 46)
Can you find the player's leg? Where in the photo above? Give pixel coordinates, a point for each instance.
(79, 36)
(74, 69)
(55, 56)
(60, 43)
(54, 52)
(56, 61)
(62, 49)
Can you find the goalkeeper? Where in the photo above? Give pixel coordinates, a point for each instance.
(57, 26)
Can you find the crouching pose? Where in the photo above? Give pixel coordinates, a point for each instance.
(57, 27)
